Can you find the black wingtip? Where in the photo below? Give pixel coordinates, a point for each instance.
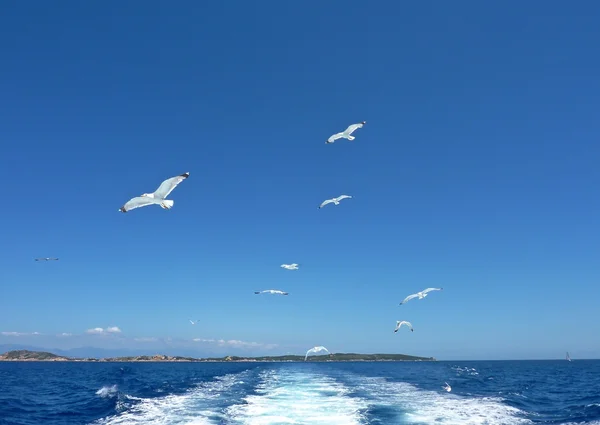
(185, 175)
(123, 210)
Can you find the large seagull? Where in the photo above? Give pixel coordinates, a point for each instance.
(335, 201)
(316, 350)
(420, 295)
(157, 197)
(347, 133)
(404, 322)
(272, 291)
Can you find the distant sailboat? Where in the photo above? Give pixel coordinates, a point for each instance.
(568, 357)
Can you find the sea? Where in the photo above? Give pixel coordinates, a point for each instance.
(327, 393)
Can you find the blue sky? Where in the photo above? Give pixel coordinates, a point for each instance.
(477, 171)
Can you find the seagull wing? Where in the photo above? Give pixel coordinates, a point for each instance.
(137, 202)
(168, 185)
(431, 289)
(352, 128)
(339, 198)
(328, 201)
(410, 297)
(335, 137)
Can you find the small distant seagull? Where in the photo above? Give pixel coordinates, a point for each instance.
(192, 322)
(292, 266)
(346, 134)
(447, 387)
(404, 322)
(420, 295)
(272, 291)
(46, 259)
(316, 350)
(335, 201)
(157, 197)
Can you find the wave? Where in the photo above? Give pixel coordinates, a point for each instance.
(407, 404)
(197, 406)
(297, 397)
(107, 391)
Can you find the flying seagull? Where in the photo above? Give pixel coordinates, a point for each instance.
(420, 295)
(335, 201)
(404, 322)
(272, 291)
(192, 322)
(292, 266)
(46, 259)
(316, 350)
(346, 134)
(447, 387)
(158, 197)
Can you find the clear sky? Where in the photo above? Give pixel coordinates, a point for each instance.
(477, 171)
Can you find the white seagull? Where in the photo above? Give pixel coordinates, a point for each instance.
(46, 259)
(335, 201)
(192, 322)
(420, 295)
(272, 291)
(346, 134)
(447, 387)
(315, 350)
(404, 322)
(157, 197)
(292, 266)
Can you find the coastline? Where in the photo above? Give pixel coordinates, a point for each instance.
(40, 356)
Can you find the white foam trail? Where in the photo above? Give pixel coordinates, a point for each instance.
(107, 391)
(416, 406)
(195, 407)
(298, 398)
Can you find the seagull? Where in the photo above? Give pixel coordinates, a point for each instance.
(315, 350)
(336, 201)
(346, 134)
(292, 266)
(158, 197)
(404, 322)
(192, 322)
(46, 259)
(447, 387)
(420, 295)
(272, 291)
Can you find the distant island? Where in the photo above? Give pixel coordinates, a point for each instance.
(42, 356)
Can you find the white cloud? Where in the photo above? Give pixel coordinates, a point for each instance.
(19, 333)
(235, 343)
(101, 331)
(65, 334)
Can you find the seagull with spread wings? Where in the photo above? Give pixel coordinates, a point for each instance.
(192, 322)
(335, 201)
(272, 291)
(157, 197)
(404, 322)
(420, 295)
(347, 133)
(292, 266)
(46, 259)
(316, 350)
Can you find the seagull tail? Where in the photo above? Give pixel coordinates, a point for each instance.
(167, 204)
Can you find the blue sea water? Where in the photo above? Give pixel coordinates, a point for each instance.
(332, 393)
